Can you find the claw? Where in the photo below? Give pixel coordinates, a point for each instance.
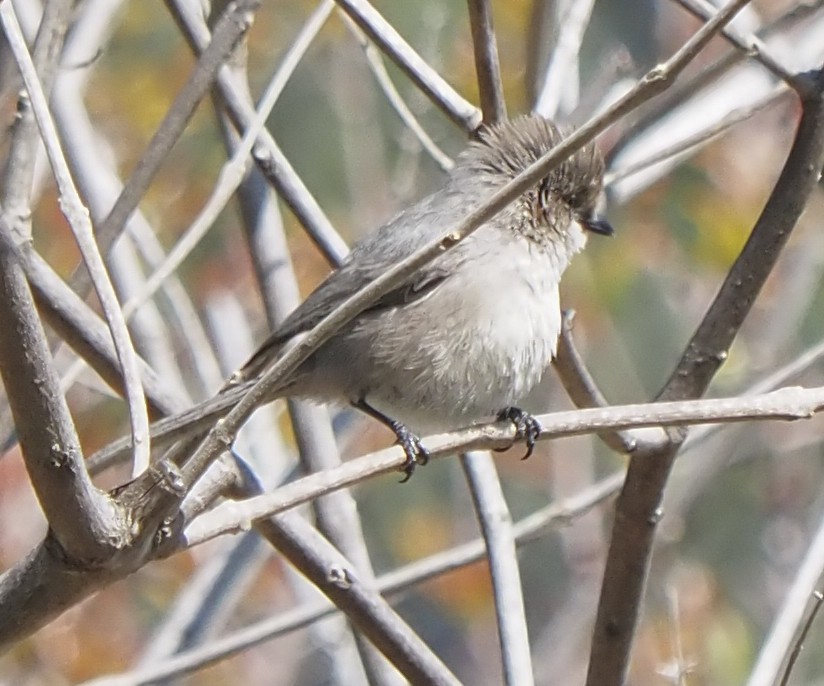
(416, 453)
(526, 426)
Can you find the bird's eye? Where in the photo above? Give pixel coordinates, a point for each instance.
(577, 199)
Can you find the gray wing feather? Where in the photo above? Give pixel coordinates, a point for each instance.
(371, 257)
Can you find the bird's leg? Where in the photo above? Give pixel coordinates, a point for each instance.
(526, 426)
(416, 453)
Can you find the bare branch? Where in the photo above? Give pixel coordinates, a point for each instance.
(401, 53)
(80, 515)
(532, 527)
(785, 404)
(232, 173)
(714, 77)
(562, 69)
(638, 506)
(78, 217)
(798, 644)
(673, 153)
(317, 559)
(268, 156)
(375, 61)
(487, 65)
(752, 46)
(496, 525)
(235, 21)
(785, 628)
(19, 167)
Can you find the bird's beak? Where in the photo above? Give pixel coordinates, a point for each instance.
(597, 224)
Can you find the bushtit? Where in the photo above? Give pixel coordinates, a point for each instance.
(471, 333)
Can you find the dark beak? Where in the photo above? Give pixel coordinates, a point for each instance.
(597, 224)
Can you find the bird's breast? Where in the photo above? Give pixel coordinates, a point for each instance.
(477, 344)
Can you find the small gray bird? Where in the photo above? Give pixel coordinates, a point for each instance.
(472, 332)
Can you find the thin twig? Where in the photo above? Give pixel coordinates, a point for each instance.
(798, 644)
(100, 185)
(677, 669)
(266, 153)
(235, 21)
(784, 404)
(232, 173)
(562, 68)
(401, 53)
(697, 140)
(639, 504)
(752, 46)
(487, 65)
(496, 525)
(20, 160)
(86, 333)
(707, 77)
(785, 627)
(375, 61)
(78, 218)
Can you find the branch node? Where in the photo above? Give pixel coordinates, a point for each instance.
(60, 456)
(171, 478)
(340, 577)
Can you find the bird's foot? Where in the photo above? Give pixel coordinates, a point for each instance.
(526, 426)
(416, 453)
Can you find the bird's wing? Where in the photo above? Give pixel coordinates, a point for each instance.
(369, 259)
(330, 294)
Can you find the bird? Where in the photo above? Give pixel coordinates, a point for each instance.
(467, 336)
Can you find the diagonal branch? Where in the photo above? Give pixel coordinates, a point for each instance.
(750, 45)
(412, 64)
(19, 165)
(639, 504)
(317, 559)
(232, 25)
(397, 581)
(270, 159)
(654, 82)
(563, 63)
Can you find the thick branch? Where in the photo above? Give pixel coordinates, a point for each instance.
(39, 588)
(638, 508)
(80, 516)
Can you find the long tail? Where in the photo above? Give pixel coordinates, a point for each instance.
(170, 429)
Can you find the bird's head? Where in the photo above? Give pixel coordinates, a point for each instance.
(561, 207)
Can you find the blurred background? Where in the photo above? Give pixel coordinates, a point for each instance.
(744, 500)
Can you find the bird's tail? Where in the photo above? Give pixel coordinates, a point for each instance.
(165, 431)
